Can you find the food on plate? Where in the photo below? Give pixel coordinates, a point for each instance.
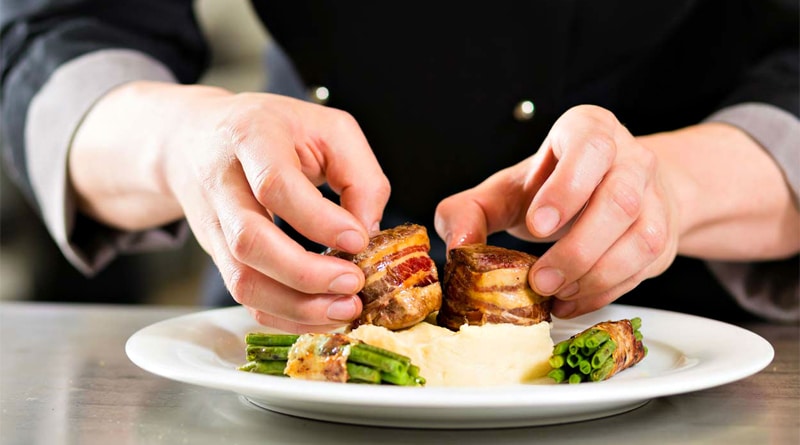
(488, 355)
(482, 326)
(327, 357)
(489, 284)
(402, 284)
(598, 352)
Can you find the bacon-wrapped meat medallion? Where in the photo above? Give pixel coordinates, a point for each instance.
(402, 284)
(489, 284)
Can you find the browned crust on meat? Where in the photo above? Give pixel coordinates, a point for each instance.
(629, 350)
(402, 284)
(489, 284)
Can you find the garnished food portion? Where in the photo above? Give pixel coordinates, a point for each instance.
(488, 355)
(482, 326)
(402, 283)
(598, 352)
(328, 357)
(489, 284)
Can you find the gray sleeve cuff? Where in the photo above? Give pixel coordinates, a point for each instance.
(53, 118)
(769, 289)
(778, 132)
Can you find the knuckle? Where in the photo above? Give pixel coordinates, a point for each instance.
(579, 257)
(241, 285)
(604, 297)
(383, 188)
(242, 243)
(306, 281)
(626, 198)
(342, 120)
(602, 145)
(596, 282)
(653, 239)
(269, 184)
(234, 128)
(597, 115)
(596, 112)
(209, 223)
(264, 318)
(648, 160)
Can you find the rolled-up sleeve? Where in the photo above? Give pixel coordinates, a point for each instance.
(765, 106)
(59, 58)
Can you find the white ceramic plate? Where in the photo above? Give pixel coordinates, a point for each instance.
(686, 353)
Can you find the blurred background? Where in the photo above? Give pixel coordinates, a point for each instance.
(32, 268)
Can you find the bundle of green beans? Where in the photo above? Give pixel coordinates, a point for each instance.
(269, 353)
(589, 355)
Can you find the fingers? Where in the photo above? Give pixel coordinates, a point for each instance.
(264, 270)
(595, 279)
(252, 239)
(285, 306)
(552, 186)
(498, 203)
(352, 170)
(583, 141)
(288, 325)
(611, 210)
(592, 188)
(260, 155)
(283, 171)
(281, 306)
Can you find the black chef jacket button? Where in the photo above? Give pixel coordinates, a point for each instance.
(319, 94)
(524, 111)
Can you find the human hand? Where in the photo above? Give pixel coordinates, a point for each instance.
(594, 190)
(230, 163)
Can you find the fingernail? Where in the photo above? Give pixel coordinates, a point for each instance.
(569, 290)
(563, 309)
(344, 284)
(548, 280)
(545, 220)
(351, 241)
(342, 309)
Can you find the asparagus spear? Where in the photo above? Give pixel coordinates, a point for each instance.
(598, 352)
(269, 354)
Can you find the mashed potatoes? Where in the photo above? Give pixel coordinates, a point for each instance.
(492, 354)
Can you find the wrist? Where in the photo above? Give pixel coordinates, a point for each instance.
(726, 187)
(119, 156)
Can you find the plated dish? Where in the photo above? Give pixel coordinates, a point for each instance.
(686, 353)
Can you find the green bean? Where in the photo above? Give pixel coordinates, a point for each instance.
(268, 354)
(597, 338)
(557, 374)
(556, 361)
(575, 378)
(255, 352)
(261, 339)
(269, 367)
(604, 353)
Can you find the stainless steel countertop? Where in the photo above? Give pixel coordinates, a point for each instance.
(65, 379)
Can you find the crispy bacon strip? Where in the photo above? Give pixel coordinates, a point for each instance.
(629, 351)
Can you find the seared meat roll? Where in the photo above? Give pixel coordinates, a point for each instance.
(489, 284)
(598, 352)
(402, 284)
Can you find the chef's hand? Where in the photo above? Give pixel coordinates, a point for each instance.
(230, 163)
(594, 189)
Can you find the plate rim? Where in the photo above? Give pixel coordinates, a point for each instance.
(280, 391)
